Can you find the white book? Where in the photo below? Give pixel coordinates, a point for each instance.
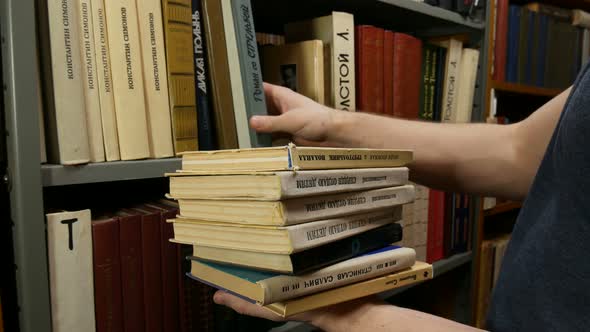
(71, 281)
(451, 79)
(89, 75)
(105, 82)
(155, 74)
(468, 76)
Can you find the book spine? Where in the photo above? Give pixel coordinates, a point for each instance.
(436, 217)
(307, 183)
(530, 48)
(310, 158)
(541, 54)
(313, 234)
(67, 134)
(105, 83)
(341, 250)
(220, 92)
(69, 253)
(322, 207)
(343, 61)
(431, 84)
(250, 67)
(427, 55)
(202, 85)
(469, 64)
(107, 275)
(152, 271)
(449, 111)
(441, 60)
(370, 67)
(406, 75)
(181, 79)
(91, 94)
(127, 75)
(523, 45)
(513, 36)
(281, 288)
(131, 273)
(501, 41)
(170, 273)
(151, 30)
(388, 73)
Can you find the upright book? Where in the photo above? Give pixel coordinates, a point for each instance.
(336, 31)
(178, 33)
(151, 34)
(63, 86)
(69, 252)
(407, 56)
(293, 158)
(468, 76)
(451, 79)
(266, 287)
(369, 68)
(127, 75)
(272, 186)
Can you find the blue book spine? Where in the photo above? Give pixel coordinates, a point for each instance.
(205, 123)
(528, 76)
(542, 51)
(513, 39)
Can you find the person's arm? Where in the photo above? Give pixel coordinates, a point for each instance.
(494, 160)
(355, 316)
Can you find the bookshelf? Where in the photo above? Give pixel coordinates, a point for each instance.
(501, 208)
(524, 89)
(27, 178)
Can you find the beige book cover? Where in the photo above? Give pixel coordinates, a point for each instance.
(468, 76)
(155, 74)
(337, 33)
(105, 83)
(297, 66)
(71, 281)
(274, 186)
(291, 157)
(89, 75)
(452, 79)
(127, 75)
(181, 75)
(297, 210)
(63, 92)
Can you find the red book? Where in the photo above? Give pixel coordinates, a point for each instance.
(501, 43)
(388, 72)
(131, 271)
(369, 67)
(407, 75)
(152, 268)
(108, 305)
(436, 218)
(170, 271)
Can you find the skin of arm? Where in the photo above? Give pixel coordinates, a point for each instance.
(495, 160)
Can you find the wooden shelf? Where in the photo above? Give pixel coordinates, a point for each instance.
(502, 208)
(524, 89)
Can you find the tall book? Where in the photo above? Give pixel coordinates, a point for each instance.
(127, 75)
(451, 79)
(181, 74)
(63, 85)
(436, 219)
(388, 72)
(417, 273)
(407, 56)
(501, 41)
(468, 76)
(89, 75)
(513, 43)
(107, 275)
(297, 66)
(369, 68)
(292, 158)
(336, 31)
(429, 78)
(105, 83)
(266, 287)
(206, 126)
(151, 34)
(69, 252)
(221, 90)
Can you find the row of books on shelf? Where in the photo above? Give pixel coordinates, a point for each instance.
(152, 79)
(540, 45)
(472, 8)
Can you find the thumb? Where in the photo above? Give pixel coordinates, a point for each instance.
(286, 123)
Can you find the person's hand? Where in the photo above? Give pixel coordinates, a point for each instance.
(322, 318)
(304, 120)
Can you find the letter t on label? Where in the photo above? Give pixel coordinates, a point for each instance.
(70, 223)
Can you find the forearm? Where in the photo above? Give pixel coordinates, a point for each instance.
(375, 317)
(471, 158)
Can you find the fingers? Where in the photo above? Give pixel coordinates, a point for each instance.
(287, 123)
(280, 99)
(244, 307)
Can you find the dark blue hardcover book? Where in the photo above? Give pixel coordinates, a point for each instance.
(528, 72)
(441, 60)
(541, 53)
(513, 40)
(205, 123)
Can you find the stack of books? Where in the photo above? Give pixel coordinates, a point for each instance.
(296, 228)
